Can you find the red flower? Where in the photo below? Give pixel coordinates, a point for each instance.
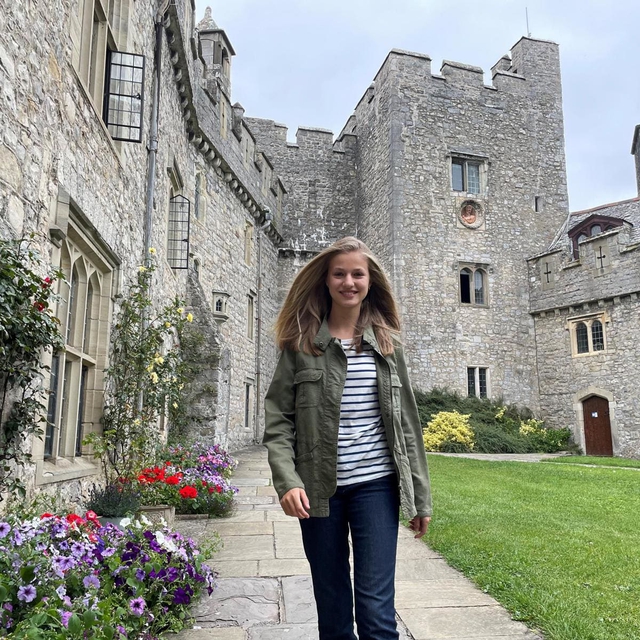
(174, 479)
(72, 518)
(218, 488)
(91, 515)
(188, 492)
(40, 306)
(46, 515)
(46, 282)
(211, 489)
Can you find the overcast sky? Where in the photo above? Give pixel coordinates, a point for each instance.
(308, 63)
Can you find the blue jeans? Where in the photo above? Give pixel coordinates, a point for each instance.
(370, 510)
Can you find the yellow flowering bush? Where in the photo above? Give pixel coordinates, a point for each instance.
(448, 431)
(531, 427)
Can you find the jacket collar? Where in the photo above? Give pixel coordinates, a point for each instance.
(324, 337)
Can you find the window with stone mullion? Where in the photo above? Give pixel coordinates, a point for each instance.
(582, 338)
(597, 336)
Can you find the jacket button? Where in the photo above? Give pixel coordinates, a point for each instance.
(321, 344)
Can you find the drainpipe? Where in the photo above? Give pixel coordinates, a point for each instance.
(153, 150)
(256, 420)
(153, 131)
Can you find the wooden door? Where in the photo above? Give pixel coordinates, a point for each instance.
(597, 427)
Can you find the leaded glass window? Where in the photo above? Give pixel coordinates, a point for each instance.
(124, 96)
(582, 339)
(597, 336)
(471, 381)
(473, 285)
(465, 175)
(178, 232)
(477, 382)
(478, 286)
(482, 382)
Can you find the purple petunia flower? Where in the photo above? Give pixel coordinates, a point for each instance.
(121, 630)
(137, 606)
(27, 593)
(181, 596)
(64, 617)
(91, 581)
(5, 527)
(140, 574)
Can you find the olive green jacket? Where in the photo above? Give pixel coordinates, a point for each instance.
(302, 415)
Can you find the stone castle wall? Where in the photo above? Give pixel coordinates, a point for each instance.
(514, 127)
(566, 380)
(50, 138)
(565, 290)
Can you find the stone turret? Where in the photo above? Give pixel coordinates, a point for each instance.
(216, 51)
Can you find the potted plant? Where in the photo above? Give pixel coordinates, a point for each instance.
(113, 502)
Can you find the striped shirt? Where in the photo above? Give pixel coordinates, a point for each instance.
(363, 452)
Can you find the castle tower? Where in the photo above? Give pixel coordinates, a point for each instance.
(458, 183)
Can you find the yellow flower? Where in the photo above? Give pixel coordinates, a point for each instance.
(154, 377)
(167, 324)
(152, 251)
(175, 405)
(159, 360)
(180, 310)
(189, 317)
(142, 269)
(136, 421)
(181, 386)
(150, 368)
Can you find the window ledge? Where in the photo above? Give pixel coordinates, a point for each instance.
(64, 469)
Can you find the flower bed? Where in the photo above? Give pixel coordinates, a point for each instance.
(193, 480)
(73, 578)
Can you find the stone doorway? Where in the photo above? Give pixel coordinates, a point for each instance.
(597, 427)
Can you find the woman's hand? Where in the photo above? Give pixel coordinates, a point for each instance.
(295, 503)
(420, 525)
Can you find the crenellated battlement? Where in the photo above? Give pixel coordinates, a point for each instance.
(531, 61)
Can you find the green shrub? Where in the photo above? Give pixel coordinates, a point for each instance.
(496, 427)
(494, 439)
(448, 431)
(114, 500)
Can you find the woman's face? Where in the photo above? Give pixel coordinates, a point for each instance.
(348, 279)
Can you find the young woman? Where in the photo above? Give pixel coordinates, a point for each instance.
(343, 435)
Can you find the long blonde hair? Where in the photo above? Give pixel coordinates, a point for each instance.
(308, 303)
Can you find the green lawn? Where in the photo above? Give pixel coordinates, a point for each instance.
(558, 545)
(600, 461)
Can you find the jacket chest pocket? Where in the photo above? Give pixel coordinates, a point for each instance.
(308, 388)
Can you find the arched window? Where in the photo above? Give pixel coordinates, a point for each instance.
(588, 334)
(597, 336)
(473, 285)
(219, 306)
(86, 335)
(465, 286)
(582, 339)
(72, 304)
(478, 286)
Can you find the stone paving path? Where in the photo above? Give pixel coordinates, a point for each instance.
(264, 591)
